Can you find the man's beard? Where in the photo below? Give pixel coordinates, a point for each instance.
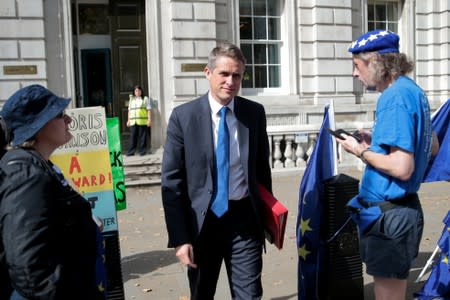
(371, 88)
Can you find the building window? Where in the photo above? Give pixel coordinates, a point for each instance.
(383, 15)
(260, 41)
(93, 19)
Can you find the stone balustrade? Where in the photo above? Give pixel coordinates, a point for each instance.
(291, 148)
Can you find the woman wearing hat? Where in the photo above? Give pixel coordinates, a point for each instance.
(48, 236)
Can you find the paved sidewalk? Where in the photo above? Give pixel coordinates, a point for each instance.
(151, 271)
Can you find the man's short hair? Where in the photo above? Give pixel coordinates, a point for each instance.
(225, 49)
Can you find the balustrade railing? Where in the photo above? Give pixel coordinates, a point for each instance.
(291, 148)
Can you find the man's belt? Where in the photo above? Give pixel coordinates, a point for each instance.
(390, 204)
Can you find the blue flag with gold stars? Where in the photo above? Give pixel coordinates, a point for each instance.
(439, 166)
(311, 249)
(437, 285)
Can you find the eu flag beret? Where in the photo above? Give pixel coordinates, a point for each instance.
(381, 41)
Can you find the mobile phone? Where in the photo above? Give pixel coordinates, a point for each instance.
(337, 133)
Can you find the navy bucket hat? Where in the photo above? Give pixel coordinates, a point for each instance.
(29, 109)
(381, 41)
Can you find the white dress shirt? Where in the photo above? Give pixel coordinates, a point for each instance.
(238, 187)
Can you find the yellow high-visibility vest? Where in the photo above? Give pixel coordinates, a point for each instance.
(137, 110)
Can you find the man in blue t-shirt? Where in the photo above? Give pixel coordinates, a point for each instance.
(396, 152)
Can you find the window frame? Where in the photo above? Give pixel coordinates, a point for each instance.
(385, 21)
(284, 54)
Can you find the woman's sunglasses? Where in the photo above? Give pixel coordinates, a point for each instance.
(60, 115)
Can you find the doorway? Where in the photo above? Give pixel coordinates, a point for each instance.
(96, 72)
(129, 54)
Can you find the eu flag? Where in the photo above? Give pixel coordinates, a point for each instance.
(311, 249)
(439, 166)
(437, 285)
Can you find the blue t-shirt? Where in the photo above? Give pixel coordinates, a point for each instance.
(402, 120)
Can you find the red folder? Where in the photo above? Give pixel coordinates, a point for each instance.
(275, 217)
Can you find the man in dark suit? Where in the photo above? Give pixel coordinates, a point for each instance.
(193, 182)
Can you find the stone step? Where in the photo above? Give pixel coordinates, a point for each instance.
(143, 182)
(143, 170)
(140, 170)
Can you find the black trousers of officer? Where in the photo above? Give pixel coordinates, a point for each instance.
(232, 238)
(139, 134)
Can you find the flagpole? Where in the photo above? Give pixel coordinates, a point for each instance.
(333, 127)
(429, 262)
(438, 109)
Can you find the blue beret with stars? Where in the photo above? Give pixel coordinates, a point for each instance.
(381, 41)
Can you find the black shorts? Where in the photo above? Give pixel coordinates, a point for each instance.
(391, 244)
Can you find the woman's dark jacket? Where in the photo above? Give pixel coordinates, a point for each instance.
(48, 237)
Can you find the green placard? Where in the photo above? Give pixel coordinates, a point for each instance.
(115, 154)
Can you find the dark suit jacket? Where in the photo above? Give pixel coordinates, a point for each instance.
(188, 168)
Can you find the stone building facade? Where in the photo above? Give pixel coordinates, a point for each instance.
(95, 51)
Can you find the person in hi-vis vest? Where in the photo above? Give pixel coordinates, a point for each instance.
(139, 121)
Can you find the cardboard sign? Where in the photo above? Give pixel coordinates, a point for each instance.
(85, 162)
(116, 158)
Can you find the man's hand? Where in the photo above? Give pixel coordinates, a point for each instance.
(185, 254)
(366, 136)
(397, 163)
(351, 145)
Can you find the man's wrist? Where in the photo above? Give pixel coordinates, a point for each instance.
(361, 155)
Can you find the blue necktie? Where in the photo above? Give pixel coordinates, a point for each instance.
(220, 202)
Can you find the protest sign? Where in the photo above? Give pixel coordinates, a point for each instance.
(116, 157)
(85, 162)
